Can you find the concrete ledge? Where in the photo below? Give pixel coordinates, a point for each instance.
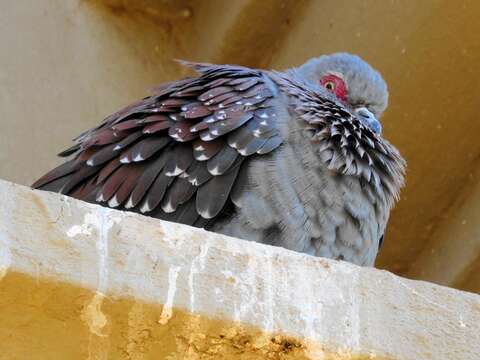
(81, 281)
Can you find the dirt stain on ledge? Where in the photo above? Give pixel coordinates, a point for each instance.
(56, 328)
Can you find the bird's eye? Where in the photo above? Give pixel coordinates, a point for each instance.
(329, 85)
(336, 85)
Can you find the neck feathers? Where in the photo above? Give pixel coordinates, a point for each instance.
(344, 144)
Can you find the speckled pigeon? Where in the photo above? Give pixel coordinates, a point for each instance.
(292, 159)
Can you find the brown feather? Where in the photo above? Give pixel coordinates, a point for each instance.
(127, 125)
(144, 149)
(71, 150)
(78, 177)
(156, 127)
(108, 169)
(132, 177)
(60, 171)
(247, 84)
(103, 137)
(196, 112)
(113, 183)
(181, 131)
(128, 141)
(204, 150)
(216, 91)
(180, 159)
(103, 155)
(154, 118)
(146, 180)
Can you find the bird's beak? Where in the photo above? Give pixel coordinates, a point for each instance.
(368, 119)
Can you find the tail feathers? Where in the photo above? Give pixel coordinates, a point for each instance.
(55, 185)
(56, 174)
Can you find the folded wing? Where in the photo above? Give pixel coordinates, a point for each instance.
(175, 155)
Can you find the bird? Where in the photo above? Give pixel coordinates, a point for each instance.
(292, 158)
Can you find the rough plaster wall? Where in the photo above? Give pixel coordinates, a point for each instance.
(65, 65)
(70, 63)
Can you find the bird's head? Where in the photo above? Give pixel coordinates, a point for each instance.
(352, 82)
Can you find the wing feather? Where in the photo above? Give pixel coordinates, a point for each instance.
(213, 195)
(176, 154)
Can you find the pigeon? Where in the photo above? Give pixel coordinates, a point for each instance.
(293, 159)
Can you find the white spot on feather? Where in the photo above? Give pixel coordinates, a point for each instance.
(90, 162)
(206, 136)
(202, 157)
(205, 214)
(145, 207)
(193, 181)
(124, 160)
(113, 201)
(243, 151)
(264, 115)
(129, 203)
(168, 208)
(215, 171)
(199, 148)
(175, 172)
(138, 158)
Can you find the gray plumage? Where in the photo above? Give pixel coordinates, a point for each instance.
(292, 159)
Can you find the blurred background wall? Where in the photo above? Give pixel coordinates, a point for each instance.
(66, 64)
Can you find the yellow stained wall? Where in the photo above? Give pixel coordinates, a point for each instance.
(47, 319)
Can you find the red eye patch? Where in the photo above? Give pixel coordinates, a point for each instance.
(336, 85)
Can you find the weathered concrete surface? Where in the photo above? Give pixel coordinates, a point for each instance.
(81, 281)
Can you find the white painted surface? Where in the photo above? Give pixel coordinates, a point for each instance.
(333, 303)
